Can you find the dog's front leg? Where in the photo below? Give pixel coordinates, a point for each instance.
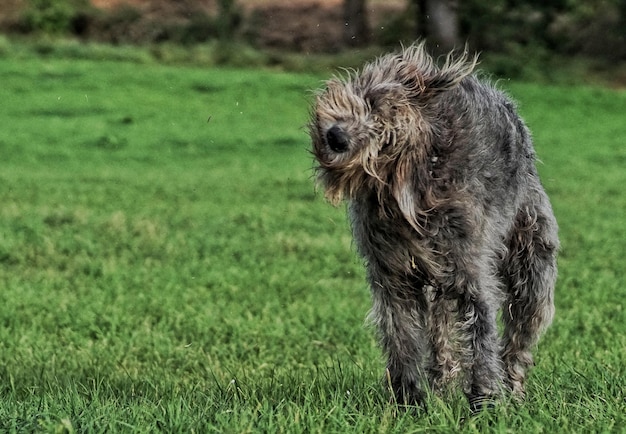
(400, 319)
(482, 346)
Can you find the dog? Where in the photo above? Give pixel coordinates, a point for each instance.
(448, 213)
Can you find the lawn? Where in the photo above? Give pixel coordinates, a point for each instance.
(166, 264)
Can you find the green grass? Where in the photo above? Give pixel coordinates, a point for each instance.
(166, 266)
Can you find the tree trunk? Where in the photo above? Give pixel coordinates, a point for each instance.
(421, 18)
(438, 21)
(444, 23)
(355, 31)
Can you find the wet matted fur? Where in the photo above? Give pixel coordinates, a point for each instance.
(448, 212)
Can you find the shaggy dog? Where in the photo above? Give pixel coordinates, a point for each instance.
(449, 215)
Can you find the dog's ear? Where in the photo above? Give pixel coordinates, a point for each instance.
(407, 204)
(422, 85)
(423, 79)
(404, 194)
(413, 79)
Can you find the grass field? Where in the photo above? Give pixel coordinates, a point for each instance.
(166, 265)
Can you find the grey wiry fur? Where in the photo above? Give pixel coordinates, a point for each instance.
(449, 215)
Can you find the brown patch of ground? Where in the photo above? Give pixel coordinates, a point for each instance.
(248, 4)
(301, 25)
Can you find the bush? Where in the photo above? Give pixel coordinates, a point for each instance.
(592, 27)
(53, 16)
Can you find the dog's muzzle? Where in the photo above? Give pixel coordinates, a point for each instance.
(337, 139)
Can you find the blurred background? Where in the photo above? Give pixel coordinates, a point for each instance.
(518, 38)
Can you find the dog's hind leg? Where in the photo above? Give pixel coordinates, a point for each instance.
(529, 271)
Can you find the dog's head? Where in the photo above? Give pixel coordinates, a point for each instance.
(369, 128)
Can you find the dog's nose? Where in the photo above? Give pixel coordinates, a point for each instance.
(337, 139)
